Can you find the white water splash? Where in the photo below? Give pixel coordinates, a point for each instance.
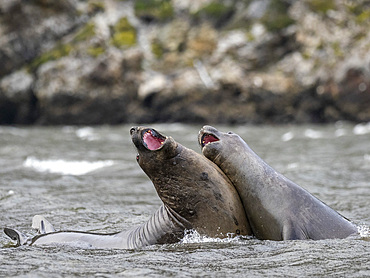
(313, 134)
(293, 165)
(367, 157)
(87, 133)
(287, 136)
(64, 167)
(340, 132)
(364, 230)
(192, 236)
(361, 129)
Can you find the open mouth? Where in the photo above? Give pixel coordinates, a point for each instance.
(152, 140)
(208, 138)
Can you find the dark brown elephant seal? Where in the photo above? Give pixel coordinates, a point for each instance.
(192, 188)
(277, 208)
(195, 194)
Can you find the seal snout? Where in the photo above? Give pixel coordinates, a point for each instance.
(133, 130)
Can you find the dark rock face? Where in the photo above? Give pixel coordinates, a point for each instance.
(111, 62)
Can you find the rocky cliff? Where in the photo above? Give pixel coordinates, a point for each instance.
(250, 61)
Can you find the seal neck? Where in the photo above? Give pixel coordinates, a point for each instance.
(164, 226)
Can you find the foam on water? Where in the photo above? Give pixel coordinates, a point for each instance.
(361, 129)
(192, 236)
(64, 167)
(364, 231)
(87, 133)
(287, 136)
(313, 134)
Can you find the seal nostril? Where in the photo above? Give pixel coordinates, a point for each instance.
(132, 130)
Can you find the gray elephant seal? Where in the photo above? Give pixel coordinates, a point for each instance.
(277, 208)
(159, 229)
(195, 194)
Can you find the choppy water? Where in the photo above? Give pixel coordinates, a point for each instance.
(87, 179)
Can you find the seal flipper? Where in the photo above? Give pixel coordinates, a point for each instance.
(16, 235)
(42, 225)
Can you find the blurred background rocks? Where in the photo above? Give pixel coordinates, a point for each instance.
(225, 61)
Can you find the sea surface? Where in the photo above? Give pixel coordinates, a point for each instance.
(87, 179)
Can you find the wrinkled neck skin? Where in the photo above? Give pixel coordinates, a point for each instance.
(249, 177)
(164, 226)
(176, 184)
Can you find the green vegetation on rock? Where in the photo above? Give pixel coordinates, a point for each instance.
(96, 6)
(321, 6)
(338, 52)
(215, 11)
(276, 17)
(124, 34)
(57, 52)
(361, 14)
(95, 51)
(63, 49)
(157, 49)
(160, 10)
(86, 32)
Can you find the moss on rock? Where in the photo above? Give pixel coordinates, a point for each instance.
(96, 6)
(157, 49)
(217, 12)
(359, 10)
(124, 34)
(276, 17)
(214, 10)
(59, 51)
(321, 6)
(85, 33)
(160, 10)
(95, 51)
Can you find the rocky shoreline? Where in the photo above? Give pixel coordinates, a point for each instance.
(110, 62)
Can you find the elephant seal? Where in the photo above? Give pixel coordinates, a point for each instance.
(191, 187)
(159, 229)
(277, 208)
(195, 194)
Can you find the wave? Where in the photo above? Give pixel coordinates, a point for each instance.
(361, 129)
(64, 167)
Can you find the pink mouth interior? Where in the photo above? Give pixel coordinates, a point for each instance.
(152, 142)
(208, 138)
